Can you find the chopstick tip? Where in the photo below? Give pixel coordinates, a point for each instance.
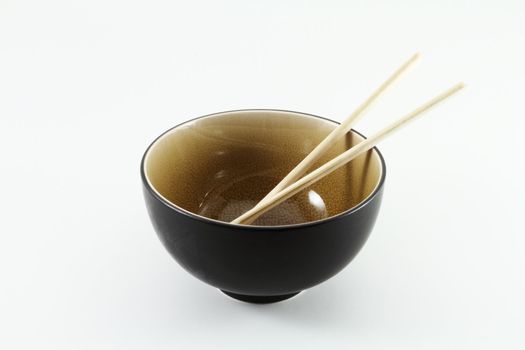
(459, 86)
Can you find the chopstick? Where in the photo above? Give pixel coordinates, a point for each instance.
(338, 132)
(316, 175)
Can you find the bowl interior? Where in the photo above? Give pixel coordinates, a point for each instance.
(221, 165)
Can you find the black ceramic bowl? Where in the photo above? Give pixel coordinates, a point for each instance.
(203, 173)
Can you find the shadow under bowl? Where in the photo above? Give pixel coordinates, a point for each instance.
(203, 173)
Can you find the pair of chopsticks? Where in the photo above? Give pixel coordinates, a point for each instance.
(293, 183)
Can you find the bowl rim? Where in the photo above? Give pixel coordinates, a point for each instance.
(173, 206)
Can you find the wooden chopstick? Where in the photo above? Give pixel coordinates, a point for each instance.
(316, 175)
(337, 133)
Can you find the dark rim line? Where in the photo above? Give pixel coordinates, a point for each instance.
(173, 206)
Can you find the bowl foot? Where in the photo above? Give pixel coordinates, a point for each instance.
(259, 299)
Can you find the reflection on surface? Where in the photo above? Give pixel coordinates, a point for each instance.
(229, 201)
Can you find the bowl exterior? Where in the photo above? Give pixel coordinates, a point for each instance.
(259, 261)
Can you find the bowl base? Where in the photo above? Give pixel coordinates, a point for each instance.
(259, 299)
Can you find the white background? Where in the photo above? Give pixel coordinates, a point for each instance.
(85, 86)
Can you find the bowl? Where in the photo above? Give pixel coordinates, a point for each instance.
(205, 172)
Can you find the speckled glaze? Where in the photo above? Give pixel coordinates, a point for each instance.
(211, 169)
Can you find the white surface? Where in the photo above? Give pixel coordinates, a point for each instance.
(85, 86)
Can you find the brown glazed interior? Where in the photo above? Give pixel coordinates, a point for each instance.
(219, 166)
